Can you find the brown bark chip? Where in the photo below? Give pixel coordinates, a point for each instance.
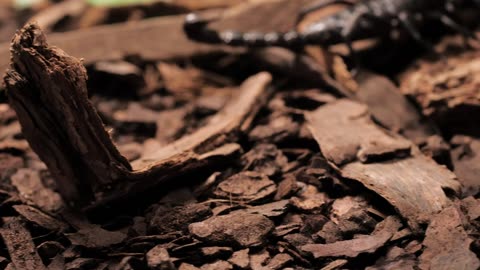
(246, 187)
(447, 91)
(167, 219)
(158, 258)
(413, 184)
(466, 163)
(40, 218)
(271, 210)
(345, 132)
(20, 245)
(362, 244)
(32, 191)
(240, 259)
(96, 237)
(390, 108)
(447, 244)
(237, 228)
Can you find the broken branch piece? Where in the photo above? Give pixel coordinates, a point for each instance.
(47, 89)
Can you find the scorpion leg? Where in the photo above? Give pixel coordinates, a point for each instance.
(406, 22)
(349, 30)
(319, 5)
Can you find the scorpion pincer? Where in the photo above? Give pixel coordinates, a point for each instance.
(364, 19)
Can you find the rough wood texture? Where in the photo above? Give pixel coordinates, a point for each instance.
(390, 108)
(47, 89)
(345, 132)
(447, 243)
(361, 244)
(466, 162)
(413, 184)
(20, 245)
(151, 39)
(447, 91)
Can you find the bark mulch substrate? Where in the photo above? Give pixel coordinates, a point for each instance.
(234, 159)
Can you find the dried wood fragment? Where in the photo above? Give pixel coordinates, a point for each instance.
(47, 89)
(240, 259)
(345, 133)
(246, 187)
(447, 244)
(352, 248)
(237, 228)
(20, 245)
(414, 184)
(335, 264)
(447, 91)
(32, 191)
(94, 237)
(158, 258)
(40, 218)
(443, 85)
(151, 39)
(466, 163)
(390, 108)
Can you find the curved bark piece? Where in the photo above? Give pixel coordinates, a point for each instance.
(47, 89)
(382, 161)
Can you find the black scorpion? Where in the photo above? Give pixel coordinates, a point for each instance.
(364, 19)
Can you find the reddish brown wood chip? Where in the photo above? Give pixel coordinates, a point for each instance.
(266, 159)
(363, 244)
(310, 199)
(472, 206)
(466, 162)
(390, 108)
(414, 185)
(237, 228)
(93, 236)
(41, 219)
(20, 245)
(240, 259)
(32, 190)
(167, 219)
(216, 252)
(443, 85)
(345, 132)
(246, 187)
(279, 261)
(273, 209)
(158, 258)
(447, 244)
(447, 91)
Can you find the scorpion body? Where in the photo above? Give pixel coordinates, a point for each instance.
(365, 19)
